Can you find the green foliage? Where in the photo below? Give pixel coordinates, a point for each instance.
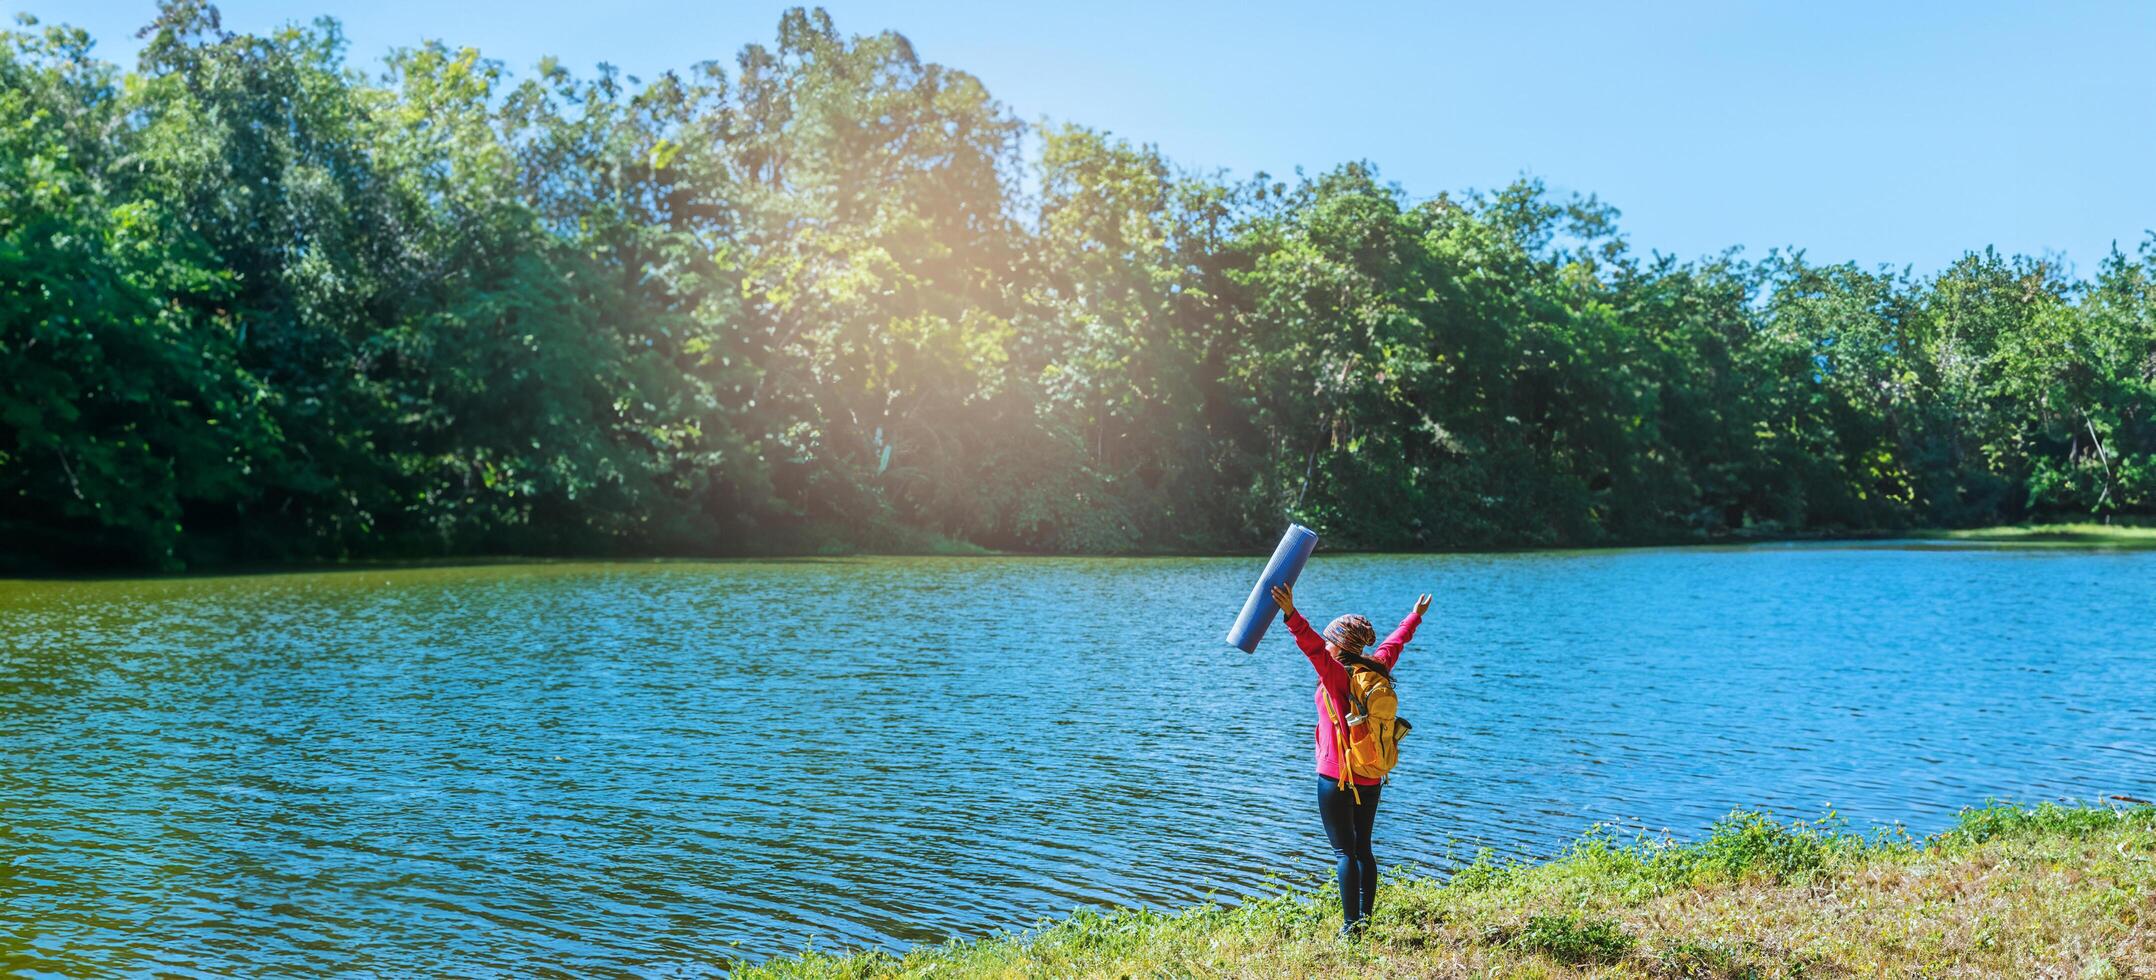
(1483, 873)
(1748, 844)
(1752, 899)
(1743, 846)
(1574, 938)
(255, 304)
(1975, 825)
(1715, 960)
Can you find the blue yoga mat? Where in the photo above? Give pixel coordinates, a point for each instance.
(1259, 609)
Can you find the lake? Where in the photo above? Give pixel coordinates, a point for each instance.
(649, 768)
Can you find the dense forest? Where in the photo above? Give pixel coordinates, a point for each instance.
(258, 304)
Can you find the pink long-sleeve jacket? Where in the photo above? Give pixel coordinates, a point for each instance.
(1332, 682)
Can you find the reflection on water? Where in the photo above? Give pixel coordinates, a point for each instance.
(650, 768)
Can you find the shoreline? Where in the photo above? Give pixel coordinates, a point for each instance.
(2005, 891)
(2063, 536)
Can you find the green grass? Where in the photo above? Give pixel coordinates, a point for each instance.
(2075, 535)
(1574, 938)
(2007, 891)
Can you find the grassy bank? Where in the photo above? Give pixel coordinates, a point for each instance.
(2049, 891)
(2070, 535)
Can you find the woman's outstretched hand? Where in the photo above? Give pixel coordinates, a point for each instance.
(1284, 597)
(1422, 604)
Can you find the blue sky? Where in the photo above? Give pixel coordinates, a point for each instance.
(1895, 133)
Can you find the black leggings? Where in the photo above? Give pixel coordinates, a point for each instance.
(1347, 826)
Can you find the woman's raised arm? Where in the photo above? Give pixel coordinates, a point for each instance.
(1388, 652)
(1306, 639)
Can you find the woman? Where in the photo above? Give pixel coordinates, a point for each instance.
(1347, 821)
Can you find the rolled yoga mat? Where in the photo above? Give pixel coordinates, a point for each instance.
(1259, 609)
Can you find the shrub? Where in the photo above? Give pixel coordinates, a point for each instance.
(1574, 939)
(1748, 843)
(1707, 961)
(1484, 873)
(1995, 819)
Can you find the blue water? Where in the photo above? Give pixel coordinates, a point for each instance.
(651, 768)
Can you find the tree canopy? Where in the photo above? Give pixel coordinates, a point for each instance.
(257, 304)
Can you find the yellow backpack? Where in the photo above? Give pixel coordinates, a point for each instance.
(1369, 738)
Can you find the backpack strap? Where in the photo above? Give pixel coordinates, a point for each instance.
(1347, 768)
